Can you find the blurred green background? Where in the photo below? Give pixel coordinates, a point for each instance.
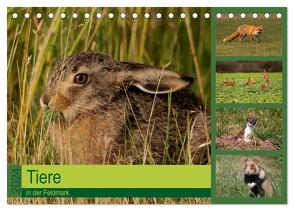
(34, 45)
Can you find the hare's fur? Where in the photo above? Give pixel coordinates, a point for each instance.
(123, 115)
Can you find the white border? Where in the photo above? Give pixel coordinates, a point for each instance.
(133, 3)
(145, 3)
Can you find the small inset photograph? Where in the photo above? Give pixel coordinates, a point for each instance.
(249, 129)
(249, 82)
(249, 35)
(248, 176)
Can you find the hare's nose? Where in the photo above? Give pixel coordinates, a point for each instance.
(44, 101)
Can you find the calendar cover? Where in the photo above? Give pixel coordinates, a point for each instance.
(146, 105)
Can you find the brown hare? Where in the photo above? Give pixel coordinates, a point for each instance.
(124, 113)
(228, 82)
(265, 76)
(249, 82)
(266, 82)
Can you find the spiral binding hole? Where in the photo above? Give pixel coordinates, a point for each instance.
(26, 15)
(146, 15)
(62, 15)
(39, 15)
(50, 15)
(75, 15)
(158, 15)
(98, 15)
(279, 15)
(123, 16)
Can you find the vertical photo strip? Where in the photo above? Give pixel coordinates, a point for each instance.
(249, 97)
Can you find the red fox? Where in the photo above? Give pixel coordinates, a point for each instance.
(244, 30)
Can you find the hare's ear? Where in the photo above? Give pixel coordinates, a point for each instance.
(255, 160)
(157, 81)
(244, 159)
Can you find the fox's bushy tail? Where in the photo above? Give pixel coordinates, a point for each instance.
(231, 36)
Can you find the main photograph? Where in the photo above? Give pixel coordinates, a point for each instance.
(108, 86)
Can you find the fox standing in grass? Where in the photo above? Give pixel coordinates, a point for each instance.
(244, 31)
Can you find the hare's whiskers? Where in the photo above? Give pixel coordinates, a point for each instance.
(84, 111)
(88, 108)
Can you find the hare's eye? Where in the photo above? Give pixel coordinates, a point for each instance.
(81, 78)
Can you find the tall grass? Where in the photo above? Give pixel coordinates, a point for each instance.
(34, 45)
(110, 200)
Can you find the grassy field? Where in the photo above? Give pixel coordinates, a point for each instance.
(271, 37)
(230, 177)
(34, 46)
(267, 131)
(117, 200)
(248, 94)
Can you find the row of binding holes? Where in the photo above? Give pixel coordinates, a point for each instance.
(254, 15)
(146, 15)
(111, 15)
